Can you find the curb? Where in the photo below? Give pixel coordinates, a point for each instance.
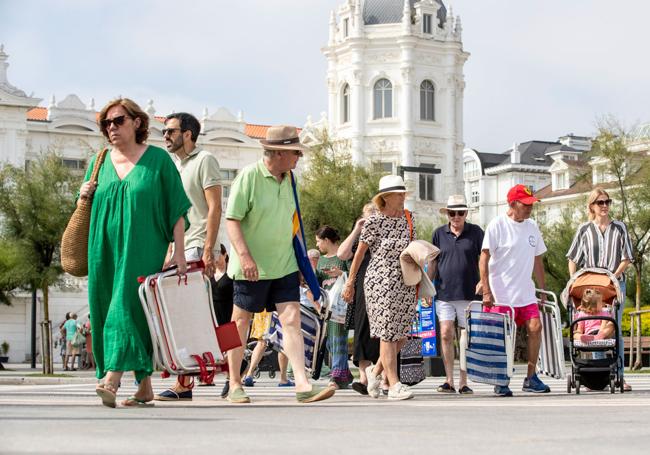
(24, 380)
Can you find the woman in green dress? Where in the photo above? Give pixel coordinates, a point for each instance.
(138, 209)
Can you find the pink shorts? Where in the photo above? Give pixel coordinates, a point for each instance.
(522, 314)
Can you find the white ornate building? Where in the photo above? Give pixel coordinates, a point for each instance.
(395, 84)
(68, 127)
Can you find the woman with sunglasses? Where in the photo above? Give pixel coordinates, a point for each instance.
(138, 208)
(603, 243)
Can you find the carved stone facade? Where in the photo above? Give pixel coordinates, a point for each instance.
(415, 46)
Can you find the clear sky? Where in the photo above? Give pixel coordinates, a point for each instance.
(538, 69)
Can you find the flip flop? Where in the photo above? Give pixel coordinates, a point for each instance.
(464, 390)
(134, 402)
(108, 396)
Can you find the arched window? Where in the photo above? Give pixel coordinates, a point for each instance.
(427, 95)
(345, 100)
(383, 96)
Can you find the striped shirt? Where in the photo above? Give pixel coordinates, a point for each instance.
(606, 250)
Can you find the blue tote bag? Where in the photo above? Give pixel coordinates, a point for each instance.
(300, 248)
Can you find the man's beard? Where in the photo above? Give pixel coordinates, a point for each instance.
(177, 144)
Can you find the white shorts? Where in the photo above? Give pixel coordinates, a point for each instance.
(449, 311)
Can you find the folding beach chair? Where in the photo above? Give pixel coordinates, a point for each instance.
(183, 326)
(551, 352)
(487, 348)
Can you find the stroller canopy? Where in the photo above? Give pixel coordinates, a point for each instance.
(598, 274)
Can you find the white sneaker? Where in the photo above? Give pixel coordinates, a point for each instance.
(374, 382)
(399, 391)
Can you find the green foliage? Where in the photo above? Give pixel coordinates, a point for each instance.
(35, 206)
(558, 237)
(631, 172)
(645, 321)
(333, 190)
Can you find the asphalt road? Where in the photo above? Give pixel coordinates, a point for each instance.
(68, 419)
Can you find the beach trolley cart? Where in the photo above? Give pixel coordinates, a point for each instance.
(594, 362)
(313, 324)
(184, 332)
(551, 353)
(488, 344)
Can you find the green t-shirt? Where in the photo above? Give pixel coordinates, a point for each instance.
(70, 327)
(199, 171)
(265, 208)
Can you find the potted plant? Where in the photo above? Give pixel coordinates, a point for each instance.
(4, 351)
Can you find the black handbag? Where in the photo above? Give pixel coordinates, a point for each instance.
(411, 364)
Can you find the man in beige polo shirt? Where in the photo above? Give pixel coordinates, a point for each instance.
(202, 183)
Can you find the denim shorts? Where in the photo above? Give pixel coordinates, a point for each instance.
(257, 296)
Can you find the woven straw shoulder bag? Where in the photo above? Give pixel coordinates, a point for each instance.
(74, 244)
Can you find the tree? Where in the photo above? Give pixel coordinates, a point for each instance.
(630, 172)
(558, 237)
(35, 205)
(333, 190)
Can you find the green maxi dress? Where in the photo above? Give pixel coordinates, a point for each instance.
(131, 226)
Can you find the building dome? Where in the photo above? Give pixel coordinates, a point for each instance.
(390, 11)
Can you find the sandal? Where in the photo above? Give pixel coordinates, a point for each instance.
(627, 387)
(135, 402)
(464, 390)
(108, 393)
(446, 388)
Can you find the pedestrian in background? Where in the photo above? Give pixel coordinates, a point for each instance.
(329, 268)
(366, 348)
(139, 207)
(603, 243)
(71, 350)
(457, 279)
(201, 177)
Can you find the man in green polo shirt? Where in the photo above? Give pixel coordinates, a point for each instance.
(259, 222)
(201, 178)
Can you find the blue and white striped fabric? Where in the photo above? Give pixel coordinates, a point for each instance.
(486, 354)
(311, 328)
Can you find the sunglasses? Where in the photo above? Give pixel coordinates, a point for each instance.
(117, 121)
(297, 153)
(603, 202)
(453, 213)
(170, 131)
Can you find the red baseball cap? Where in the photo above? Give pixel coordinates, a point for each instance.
(522, 194)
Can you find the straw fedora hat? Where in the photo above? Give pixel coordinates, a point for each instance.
(283, 137)
(389, 184)
(455, 202)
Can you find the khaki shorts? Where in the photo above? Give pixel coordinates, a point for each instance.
(70, 349)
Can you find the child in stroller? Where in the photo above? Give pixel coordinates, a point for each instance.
(592, 297)
(587, 329)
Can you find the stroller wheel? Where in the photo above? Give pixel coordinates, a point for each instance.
(272, 374)
(577, 386)
(568, 384)
(612, 384)
(257, 373)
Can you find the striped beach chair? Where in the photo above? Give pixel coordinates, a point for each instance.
(487, 346)
(551, 353)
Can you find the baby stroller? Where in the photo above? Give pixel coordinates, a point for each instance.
(269, 363)
(594, 363)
